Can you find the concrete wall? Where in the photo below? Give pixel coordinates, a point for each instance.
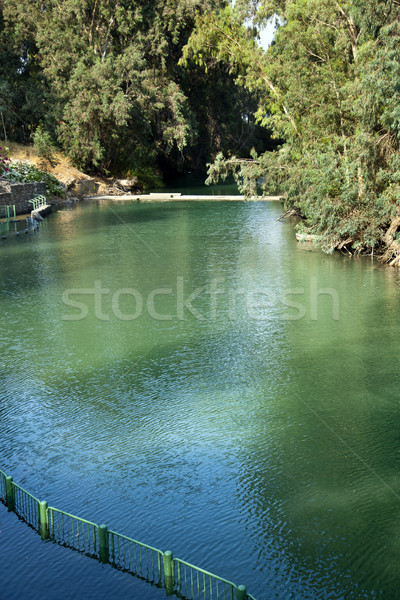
(19, 194)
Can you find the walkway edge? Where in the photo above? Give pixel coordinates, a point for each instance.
(184, 198)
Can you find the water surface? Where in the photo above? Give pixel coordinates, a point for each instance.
(226, 393)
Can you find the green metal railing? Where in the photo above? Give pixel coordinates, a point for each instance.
(4, 227)
(161, 568)
(25, 505)
(72, 531)
(135, 557)
(10, 224)
(38, 202)
(3, 489)
(8, 212)
(196, 583)
(8, 228)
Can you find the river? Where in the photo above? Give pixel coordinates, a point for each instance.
(192, 376)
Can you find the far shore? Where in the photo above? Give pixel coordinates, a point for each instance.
(177, 197)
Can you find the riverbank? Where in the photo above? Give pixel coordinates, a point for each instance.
(178, 197)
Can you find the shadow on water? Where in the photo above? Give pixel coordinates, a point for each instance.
(263, 447)
(194, 183)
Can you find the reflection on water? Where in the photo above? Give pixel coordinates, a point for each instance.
(211, 401)
(193, 183)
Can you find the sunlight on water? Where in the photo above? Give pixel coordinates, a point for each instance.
(194, 378)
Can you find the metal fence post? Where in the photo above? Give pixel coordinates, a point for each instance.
(10, 493)
(168, 572)
(103, 543)
(241, 592)
(44, 520)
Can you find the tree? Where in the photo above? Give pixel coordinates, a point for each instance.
(45, 148)
(22, 89)
(328, 88)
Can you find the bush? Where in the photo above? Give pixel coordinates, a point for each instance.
(44, 147)
(25, 172)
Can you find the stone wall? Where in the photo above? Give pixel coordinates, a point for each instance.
(19, 194)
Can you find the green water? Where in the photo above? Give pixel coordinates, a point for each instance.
(226, 393)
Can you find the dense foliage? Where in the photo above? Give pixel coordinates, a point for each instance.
(102, 79)
(25, 172)
(329, 86)
(132, 87)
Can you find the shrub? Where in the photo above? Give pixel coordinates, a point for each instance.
(44, 147)
(25, 172)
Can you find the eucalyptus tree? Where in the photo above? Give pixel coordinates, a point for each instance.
(115, 93)
(329, 88)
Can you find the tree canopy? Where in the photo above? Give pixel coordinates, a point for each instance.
(103, 79)
(328, 87)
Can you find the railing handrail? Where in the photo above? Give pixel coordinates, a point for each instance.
(128, 539)
(8, 212)
(103, 534)
(203, 571)
(25, 491)
(38, 202)
(62, 512)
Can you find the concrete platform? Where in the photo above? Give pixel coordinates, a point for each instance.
(41, 212)
(176, 197)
